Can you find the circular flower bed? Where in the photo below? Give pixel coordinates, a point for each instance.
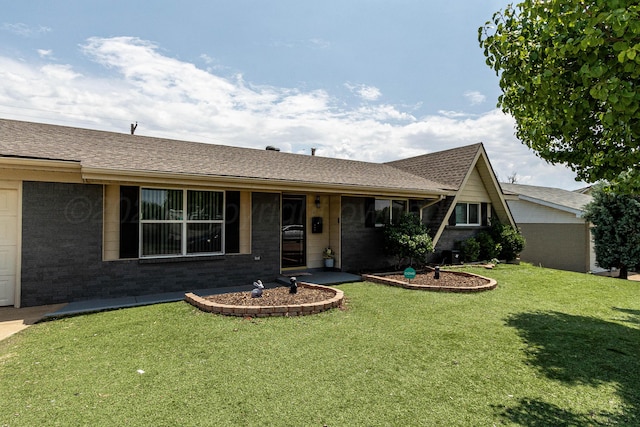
(310, 299)
(449, 281)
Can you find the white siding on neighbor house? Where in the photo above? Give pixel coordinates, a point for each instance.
(531, 213)
(474, 190)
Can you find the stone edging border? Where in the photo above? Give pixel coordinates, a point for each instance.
(267, 311)
(491, 283)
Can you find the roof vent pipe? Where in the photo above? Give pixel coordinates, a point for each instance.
(272, 148)
(313, 151)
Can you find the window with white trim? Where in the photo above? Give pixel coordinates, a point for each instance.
(467, 214)
(177, 222)
(389, 211)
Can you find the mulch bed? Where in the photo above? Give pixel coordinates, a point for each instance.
(447, 279)
(281, 296)
(273, 297)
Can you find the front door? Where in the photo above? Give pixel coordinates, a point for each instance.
(8, 245)
(294, 231)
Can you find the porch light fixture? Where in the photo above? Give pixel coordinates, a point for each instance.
(318, 202)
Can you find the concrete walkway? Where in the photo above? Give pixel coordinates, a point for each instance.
(13, 320)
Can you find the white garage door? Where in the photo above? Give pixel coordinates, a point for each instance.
(8, 245)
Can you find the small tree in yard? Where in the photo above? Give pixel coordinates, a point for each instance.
(616, 228)
(408, 240)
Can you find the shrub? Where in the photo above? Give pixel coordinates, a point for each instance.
(408, 240)
(470, 250)
(489, 249)
(510, 240)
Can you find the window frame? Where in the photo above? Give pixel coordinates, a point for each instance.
(184, 221)
(392, 209)
(478, 206)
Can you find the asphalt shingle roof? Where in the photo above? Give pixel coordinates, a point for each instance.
(133, 153)
(448, 167)
(556, 196)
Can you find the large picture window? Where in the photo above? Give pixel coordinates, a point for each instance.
(467, 214)
(181, 222)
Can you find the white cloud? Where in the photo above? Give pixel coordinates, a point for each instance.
(475, 97)
(175, 99)
(319, 43)
(453, 114)
(59, 72)
(24, 30)
(367, 93)
(45, 53)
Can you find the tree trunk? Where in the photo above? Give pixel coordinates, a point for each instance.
(623, 272)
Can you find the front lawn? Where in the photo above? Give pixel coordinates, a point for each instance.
(545, 348)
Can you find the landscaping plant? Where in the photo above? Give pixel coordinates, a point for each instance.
(408, 240)
(509, 239)
(470, 250)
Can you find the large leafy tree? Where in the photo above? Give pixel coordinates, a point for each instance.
(615, 217)
(570, 76)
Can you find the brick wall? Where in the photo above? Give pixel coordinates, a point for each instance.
(62, 251)
(362, 247)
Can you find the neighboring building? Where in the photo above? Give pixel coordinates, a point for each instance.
(92, 214)
(551, 220)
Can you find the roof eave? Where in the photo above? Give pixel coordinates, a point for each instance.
(37, 169)
(105, 176)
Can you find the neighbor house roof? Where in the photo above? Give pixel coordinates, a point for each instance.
(564, 200)
(102, 155)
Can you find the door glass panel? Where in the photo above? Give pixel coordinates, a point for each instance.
(293, 231)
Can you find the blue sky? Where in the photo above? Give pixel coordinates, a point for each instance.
(366, 80)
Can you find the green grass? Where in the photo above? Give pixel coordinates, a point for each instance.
(546, 348)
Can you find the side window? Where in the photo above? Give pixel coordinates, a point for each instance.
(467, 214)
(388, 211)
(383, 212)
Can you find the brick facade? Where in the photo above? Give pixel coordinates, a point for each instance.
(62, 251)
(362, 247)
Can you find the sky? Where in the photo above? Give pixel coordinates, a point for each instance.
(375, 80)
